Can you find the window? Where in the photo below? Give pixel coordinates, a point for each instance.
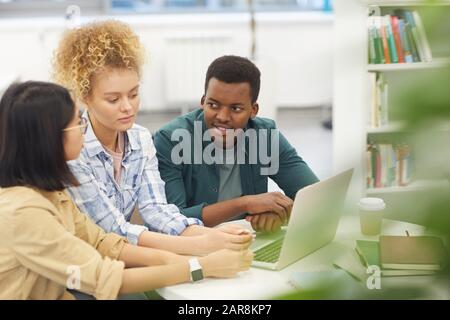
(12, 8)
(29, 8)
(216, 5)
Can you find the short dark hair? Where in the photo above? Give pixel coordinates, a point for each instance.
(33, 115)
(235, 69)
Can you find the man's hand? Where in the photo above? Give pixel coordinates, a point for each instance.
(274, 202)
(268, 222)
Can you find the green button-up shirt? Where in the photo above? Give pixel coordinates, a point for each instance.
(191, 185)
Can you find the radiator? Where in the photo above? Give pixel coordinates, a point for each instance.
(187, 58)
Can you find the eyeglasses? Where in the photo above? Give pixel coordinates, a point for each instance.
(83, 126)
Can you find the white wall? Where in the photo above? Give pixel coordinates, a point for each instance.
(294, 51)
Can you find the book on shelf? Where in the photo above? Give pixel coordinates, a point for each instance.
(378, 42)
(373, 43)
(418, 33)
(369, 254)
(405, 44)
(412, 253)
(390, 38)
(398, 38)
(398, 42)
(388, 165)
(423, 37)
(378, 100)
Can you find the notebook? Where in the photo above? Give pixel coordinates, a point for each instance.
(417, 253)
(369, 254)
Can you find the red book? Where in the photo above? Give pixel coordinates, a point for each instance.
(397, 39)
(378, 183)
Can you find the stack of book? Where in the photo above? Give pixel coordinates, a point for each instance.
(388, 165)
(403, 255)
(398, 38)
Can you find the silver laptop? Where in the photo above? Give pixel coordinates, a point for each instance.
(313, 224)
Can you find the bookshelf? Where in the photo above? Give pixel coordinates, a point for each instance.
(404, 3)
(352, 94)
(436, 63)
(391, 127)
(398, 126)
(417, 185)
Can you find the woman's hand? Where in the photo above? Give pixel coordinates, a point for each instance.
(225, 237)
(232, 229)
(226, 263)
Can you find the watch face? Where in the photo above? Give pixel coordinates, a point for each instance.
(197, 275)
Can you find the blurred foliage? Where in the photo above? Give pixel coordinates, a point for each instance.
(423, 103)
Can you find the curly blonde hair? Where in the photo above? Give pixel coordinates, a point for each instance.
(88, 49)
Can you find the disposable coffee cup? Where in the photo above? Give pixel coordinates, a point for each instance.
(371, 212)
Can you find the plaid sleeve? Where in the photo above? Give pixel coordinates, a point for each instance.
(92, 200)
(157, 214)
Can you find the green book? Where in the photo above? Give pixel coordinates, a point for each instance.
(378, 47)
(368, 252)
(376, 53)
(372, 51)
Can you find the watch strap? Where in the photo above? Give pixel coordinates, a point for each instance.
(195, 270)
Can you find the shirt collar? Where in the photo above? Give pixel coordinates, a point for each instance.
(132, 139)
(54, 196)
(93, 146)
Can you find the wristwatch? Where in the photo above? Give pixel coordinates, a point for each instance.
(195, 269)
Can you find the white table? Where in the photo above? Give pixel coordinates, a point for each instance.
(264, 284)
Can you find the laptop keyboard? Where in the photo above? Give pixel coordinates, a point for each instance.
(269, 253)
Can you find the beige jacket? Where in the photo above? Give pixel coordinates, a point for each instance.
(47, 245)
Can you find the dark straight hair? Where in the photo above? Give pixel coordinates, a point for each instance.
(33, 115)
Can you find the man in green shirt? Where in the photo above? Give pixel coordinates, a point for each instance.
(216, 160)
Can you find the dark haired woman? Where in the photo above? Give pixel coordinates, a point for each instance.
(46, 244)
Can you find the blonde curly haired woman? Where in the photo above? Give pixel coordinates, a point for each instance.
(117, 170)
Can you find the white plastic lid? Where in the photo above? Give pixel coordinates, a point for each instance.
(371, 204)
